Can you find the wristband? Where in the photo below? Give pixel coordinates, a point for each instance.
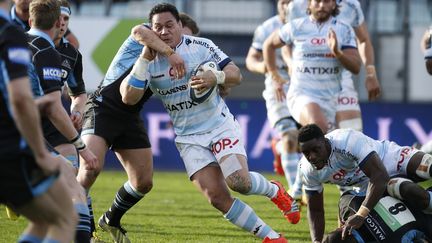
(136, 83)
(78, 142)
(370, 70)
(363, 211)
(139, 69)
(169, 52)
(220, 76)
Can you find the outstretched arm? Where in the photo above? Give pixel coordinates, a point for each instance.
(378, 179)
(315, 201)
(366, 51)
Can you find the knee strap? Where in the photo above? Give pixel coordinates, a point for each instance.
(393, 187)
(424, 167)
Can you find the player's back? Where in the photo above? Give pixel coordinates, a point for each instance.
(14, 59)
(45, 69)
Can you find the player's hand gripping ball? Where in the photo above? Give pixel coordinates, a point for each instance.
(200, 96)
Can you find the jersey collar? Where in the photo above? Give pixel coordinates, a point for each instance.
(17, 20)
(36, 32)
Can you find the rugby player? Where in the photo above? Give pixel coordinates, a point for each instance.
(347, 157)
(208, 136)
(30, 181)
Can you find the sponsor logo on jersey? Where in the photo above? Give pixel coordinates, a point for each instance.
(64, 74)
(223, 144)
(50, 73)
(318, 70)
(318, 41)
(66, 64)
(172, 90)
(346, 153)
(19, 55)
(375, 228)
(312, 55)
(184, 105)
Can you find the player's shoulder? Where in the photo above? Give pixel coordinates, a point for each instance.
(353, 4)
(341, 24)
(340, 134)
(67, 49)
(197, 42)
(11, 31)
(271, 22)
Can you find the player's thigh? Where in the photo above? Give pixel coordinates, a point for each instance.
(210, 181)
(98, 146)
(138, 164)
(312, 113)
(52, 207)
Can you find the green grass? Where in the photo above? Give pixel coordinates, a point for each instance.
(174, 211)
(108, 47)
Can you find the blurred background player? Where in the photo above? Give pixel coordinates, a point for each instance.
(190, 27)
(347, 157)
(111, 124)
(72, 68)
(46, 75)
(210, 166)
(30, 181)
(274, 95)
(317, 62)
(20, 16)
(348, 114)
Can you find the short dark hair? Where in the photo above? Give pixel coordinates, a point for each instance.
(334, 13)
(310, 132)
(162, 8)
(187, 21)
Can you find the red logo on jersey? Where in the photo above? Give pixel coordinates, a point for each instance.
(172, 73)
(404, 153)
(223, 144)
(340, 175)
(318, 41)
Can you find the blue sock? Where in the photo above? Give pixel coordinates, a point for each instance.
(261, 186)
(26, 238)
(244, 217)
(83, 228)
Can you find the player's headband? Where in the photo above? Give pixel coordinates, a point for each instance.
(65, 11)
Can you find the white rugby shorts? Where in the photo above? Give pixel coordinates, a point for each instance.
(200, 150)
(348, 96)
(397, 157)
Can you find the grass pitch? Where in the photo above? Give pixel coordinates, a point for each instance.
(174, 211)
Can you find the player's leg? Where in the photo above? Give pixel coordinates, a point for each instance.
(133, 150)
(52, 210)
(238, 178)
(411, 193)
(348, 113)
(138, 164)
(313, 114)
(44, 200)
(210, 181)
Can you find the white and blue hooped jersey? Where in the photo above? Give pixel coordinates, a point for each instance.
(315, 70)
(350, 12)
(349, 149)
(262, 32)
(188, 117)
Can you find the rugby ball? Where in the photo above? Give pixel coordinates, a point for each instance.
(206, 94)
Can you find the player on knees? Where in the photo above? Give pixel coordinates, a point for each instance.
(285, 152)
(200, 142)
